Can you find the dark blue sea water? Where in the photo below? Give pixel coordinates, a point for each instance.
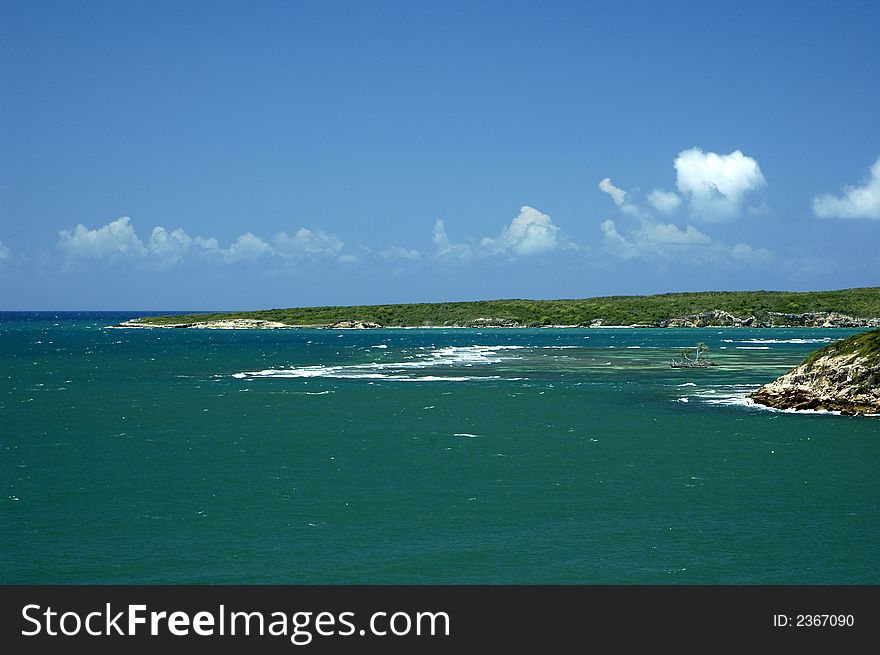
(421, 456)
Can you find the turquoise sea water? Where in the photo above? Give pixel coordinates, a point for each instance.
(421, 456)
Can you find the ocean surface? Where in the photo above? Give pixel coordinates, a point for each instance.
(559, 456)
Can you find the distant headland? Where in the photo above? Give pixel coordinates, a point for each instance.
(845, 308)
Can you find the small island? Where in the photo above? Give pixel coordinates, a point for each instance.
(843, 376)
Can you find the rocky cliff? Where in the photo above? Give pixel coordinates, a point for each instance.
(719, 318)
(843, 376)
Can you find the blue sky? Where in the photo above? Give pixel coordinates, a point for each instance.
(236, 155)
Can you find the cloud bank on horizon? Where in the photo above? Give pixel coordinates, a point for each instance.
(696, 229)
(118, 240)
(712, 188)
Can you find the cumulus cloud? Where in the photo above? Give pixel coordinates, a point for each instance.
(439, 236)
(248, 248)
(669, 234)
(617, 244)
(4, 252)
(165, 248)
(447, 250)
(651, 239)
(169, 247)
(654, 240)
(664, 202)
(306, 242)
(716, 185)
(856, 202)
(531, 232)
(619, 196)
(745, 253)
(116, 239)
(713, 188)
(210, 244)
(396, 252)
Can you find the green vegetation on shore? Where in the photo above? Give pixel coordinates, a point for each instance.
(865, 345)
(611, 310)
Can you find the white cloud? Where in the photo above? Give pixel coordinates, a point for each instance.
(115, 239)
(652, 239)
(664, 241)
(747, 254)
(664, 202)
(210, 244)
(716, 185)
(617, 244)
(396, 252)
(307, 242)
(856, 202)
(445, 248)
(619, 196)
(439, 237)
(668, 234)
(531, 232)
(118, 238)
(169, 247)
(247, 247)
(715, 188)
(4, 252)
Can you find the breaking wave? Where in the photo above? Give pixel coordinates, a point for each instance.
(797, 341)
(452, 357)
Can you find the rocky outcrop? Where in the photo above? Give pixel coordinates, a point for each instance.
(224, 324)
(721, 318)
(843, 376)
(819, 320)
(711, 318)
(489, 323)
(354, 325)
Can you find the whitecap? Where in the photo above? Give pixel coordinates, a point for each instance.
(797, 341)
(741, 400)
(440, 378)
(467, 434)
(450, 356)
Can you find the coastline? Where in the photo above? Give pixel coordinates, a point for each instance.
(847, 308)
(257, 324)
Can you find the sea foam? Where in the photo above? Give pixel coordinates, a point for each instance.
(450, 357)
